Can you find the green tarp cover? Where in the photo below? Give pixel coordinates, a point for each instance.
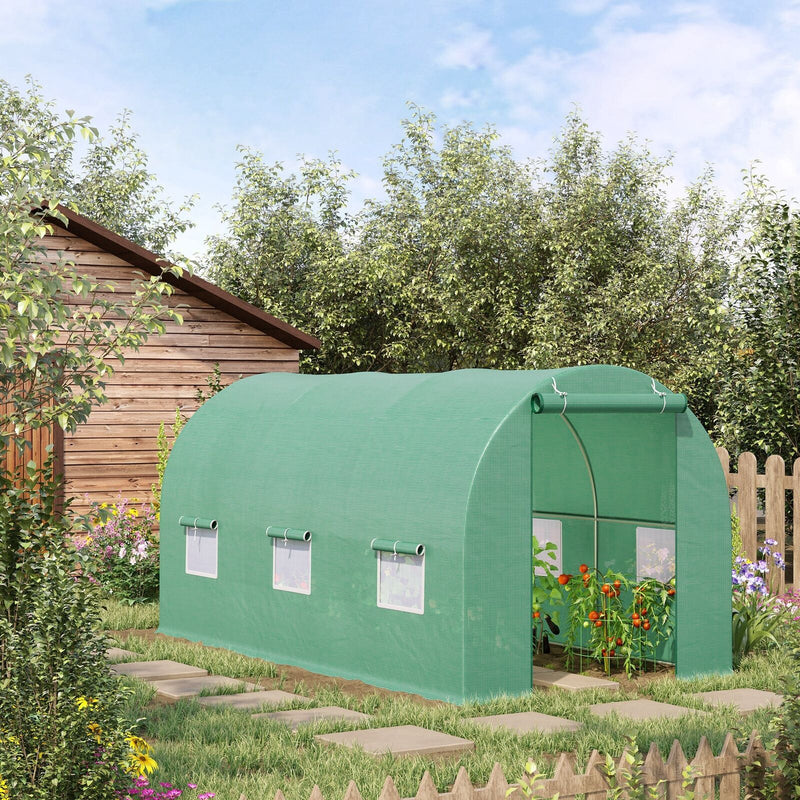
(453, 461)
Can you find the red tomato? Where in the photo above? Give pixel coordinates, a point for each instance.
(583, 568)
(605, 589)
(671, 592)
(617, 584)
(637, 623)
(598, 624)
(619, 641)
(593, 615)
(646, 625)
(612, 653)
(564, 579)
(536, 614)
(634, 615)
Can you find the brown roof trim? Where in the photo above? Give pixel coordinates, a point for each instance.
(191, 284)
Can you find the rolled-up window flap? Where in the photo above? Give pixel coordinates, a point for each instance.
(396, 546)
(297, 534)
(577, 403)
(198, 522)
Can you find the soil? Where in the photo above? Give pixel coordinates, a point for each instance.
(557, 659)
(291, 677)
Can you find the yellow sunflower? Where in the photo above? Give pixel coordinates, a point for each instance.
(137, 744)
(142, 763)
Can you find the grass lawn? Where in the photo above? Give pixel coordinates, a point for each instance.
(229, 753)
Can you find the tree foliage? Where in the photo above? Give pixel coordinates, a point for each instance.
(475, 259)
(61, 732)
(111, 184)
(759, 407)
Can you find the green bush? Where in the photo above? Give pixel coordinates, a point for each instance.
(62, 733)
(787, 745)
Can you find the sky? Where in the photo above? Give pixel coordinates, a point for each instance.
(710, 82)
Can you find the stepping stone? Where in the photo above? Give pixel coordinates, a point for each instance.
(158, 670)
(191, 687)
(544, 678)
(403, 740)
(305, 716)
(641, 709)
(250, 700)
(117, 654)
(528, 722)
(745, 700)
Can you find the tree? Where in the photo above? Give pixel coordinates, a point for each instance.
(633, 279)
(474, 259)
(62, 731)
(115, 189)
(759, 408)
(112, 184)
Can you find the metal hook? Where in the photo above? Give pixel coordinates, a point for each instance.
(560, 394)
(662, 395)
(394, 547)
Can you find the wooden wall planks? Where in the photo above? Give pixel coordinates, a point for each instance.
(115, 450)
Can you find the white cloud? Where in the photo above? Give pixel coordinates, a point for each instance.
(707, 88)
(472, 49)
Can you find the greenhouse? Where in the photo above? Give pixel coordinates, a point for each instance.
(379, 527)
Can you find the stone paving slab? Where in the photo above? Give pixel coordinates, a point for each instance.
(158, 670)
(191, 687)
(641, 709)
(117, 653)
(250, 700)
(528, 722)
(306, 716)
(403, 740)
(745, 700)
(544, 678)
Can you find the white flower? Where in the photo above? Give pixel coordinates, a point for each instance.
(122, 551)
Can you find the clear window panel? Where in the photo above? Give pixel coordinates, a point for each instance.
(548, 531)
(401, 582)
(291, 566)
(201, 552)
(655, 554)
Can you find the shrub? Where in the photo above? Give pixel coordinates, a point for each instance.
(122, 550)
(787, 745)
(62, 733)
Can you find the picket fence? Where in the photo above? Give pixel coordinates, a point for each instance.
(714, 777)
(766, 519)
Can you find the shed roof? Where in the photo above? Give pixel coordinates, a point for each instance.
(191, 284)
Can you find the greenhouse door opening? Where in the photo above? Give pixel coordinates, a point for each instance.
(603, 496)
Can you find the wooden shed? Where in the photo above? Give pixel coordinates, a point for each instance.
(115, 450)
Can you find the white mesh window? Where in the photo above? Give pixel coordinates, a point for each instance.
(548, 531)
(655, 554)
(401, 582)
(291, 565)
(201, 552)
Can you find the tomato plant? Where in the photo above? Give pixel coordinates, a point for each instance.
(613, 619)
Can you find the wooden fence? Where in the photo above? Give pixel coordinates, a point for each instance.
(714, 777)
(768, 520)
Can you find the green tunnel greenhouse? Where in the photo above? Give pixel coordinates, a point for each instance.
(379, 527)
